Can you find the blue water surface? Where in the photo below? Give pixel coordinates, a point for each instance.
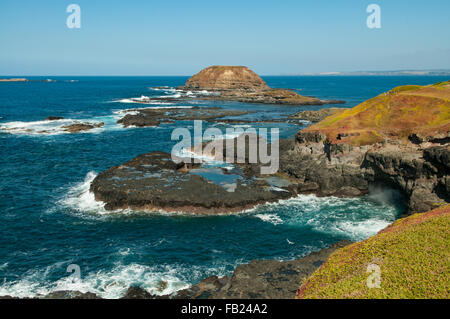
(49, 220)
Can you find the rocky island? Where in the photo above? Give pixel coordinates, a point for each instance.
(239, 83)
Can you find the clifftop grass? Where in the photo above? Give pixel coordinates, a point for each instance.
(396, 114)
(413, 255)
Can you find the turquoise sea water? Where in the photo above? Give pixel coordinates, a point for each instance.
(49, 220)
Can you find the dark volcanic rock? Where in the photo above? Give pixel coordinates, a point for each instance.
(422, 175)
(316, 116)
(153, 117)
(138, 120)
(69, 294)
(137, 293)
(54, 118)
(81, 127)
(260, 279)
(153, 181)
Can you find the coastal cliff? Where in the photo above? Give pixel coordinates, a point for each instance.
(377, 142)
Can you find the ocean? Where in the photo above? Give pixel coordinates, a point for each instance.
(49, 220)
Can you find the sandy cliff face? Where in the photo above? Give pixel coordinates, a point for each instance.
(226, 78)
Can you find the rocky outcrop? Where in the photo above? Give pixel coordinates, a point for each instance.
(323, 168)
(316, 116)
(54, 118)
(261, 279)
(69, 294)
(154, 117)
(348, 151)
(223, 78)
(81, 127)
(154, 181)
(239, 83)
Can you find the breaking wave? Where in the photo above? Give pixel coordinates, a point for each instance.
(111, 284)
(53, 127)
(355, 218)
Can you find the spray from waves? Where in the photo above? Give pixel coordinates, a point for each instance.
(160, 279)
(53, 127)
(271, 218)
(135, 111)
(141, 100)
(173, 92)
(80, 199)
(112, 284)
(354, 218)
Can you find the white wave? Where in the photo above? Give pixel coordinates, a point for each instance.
(141, 100)
(362, 229)
(355, 218)
(173, 96)
(270, 218)
(125, 101)
(53, 127)
(135, 111)
(81, 199)
(157, 280)
(163, 88)
(112, 284)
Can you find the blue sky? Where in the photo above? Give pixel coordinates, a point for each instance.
(181, 37)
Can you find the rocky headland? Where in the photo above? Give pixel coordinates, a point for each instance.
(399, 139)
(81, 127)
(153, 182)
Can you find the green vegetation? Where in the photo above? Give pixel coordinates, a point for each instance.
(404, 88)
(413, 255)
(396, 114)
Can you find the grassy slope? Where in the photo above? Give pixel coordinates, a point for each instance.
(395, 114)
(413, 254)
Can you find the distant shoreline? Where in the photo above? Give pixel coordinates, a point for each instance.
(443, 72)
(14, 80)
